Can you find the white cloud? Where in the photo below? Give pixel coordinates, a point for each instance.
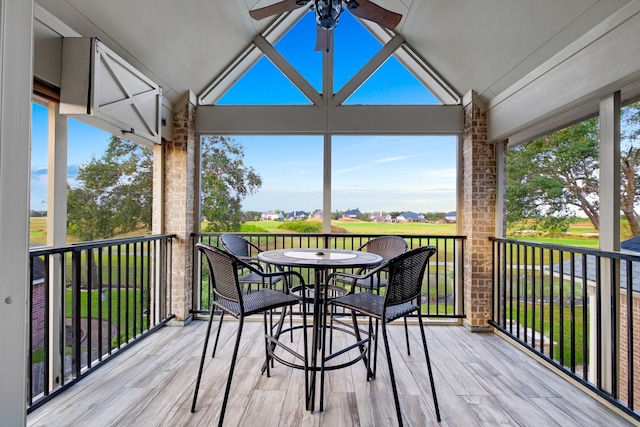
(392, 159)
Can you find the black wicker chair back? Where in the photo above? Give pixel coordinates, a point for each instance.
(224, 271)
(405, 276)
(386, 246)
(237, 245)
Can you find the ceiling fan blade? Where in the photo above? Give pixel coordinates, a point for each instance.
(276, 9)
(324, 39)
(372, 12)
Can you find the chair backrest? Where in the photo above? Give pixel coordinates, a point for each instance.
(223, 269)
(405, 275)
(239, 246)
(386, 246)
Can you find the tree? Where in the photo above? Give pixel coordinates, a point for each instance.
(114, 194)
(551, 178)
(225, 182)
(251, 216)
(630, 164)
(364, 216)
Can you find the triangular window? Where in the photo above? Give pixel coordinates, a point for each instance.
(353, 49)
(354, 46)
(392, 84)
(263, 84)
(297, 46)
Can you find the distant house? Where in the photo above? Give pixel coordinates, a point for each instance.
(380, 217)
(297, 216)
(317, 214)
(351, 214)
(451, 216)
(409, 217)
(272, 216)
(631, 245)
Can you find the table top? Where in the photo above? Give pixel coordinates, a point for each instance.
(320, 258)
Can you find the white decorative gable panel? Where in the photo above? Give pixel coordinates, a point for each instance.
(101, 88)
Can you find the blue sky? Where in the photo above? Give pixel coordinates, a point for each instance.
(371, 173)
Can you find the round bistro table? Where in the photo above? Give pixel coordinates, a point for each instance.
(319, 260)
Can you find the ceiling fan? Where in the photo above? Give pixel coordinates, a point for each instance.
(328, 13)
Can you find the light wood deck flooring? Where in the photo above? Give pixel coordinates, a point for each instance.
(481, 380)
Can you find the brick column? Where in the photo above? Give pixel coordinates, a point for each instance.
(180, 157)
(478, 212)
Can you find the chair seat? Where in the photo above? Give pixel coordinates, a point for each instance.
(332, 290)
(257, 302)
(375, 283)
(256, 278)
(372, 305)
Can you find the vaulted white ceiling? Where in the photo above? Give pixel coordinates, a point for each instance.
(481, 45)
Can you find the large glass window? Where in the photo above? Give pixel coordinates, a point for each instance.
(289, 169)
(394, 174)
(39, 174)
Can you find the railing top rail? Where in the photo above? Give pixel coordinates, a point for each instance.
(343, 235)
(46, 250)
(625, 256)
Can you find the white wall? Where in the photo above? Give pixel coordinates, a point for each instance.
(16, 41)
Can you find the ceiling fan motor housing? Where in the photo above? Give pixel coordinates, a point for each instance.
(328, 13)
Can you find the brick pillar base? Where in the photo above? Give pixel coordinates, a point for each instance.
(180, 203)
(479, 210)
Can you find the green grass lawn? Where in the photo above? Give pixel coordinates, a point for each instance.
(364, 227)
(129, 314)
(533, 322)
(130, 323)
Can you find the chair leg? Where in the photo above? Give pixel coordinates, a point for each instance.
(231, 369)
(406, 334)
(266, 345)
(391, 374)
(323, 328)
(204, 354)
(215, 344)
(375, 352)
(367, 359)
(280, 325)
(426, 354)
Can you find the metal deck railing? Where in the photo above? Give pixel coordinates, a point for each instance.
(89, 302)
(578, 309)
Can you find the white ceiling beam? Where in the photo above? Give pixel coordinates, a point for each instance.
(365, 72)
(583, 72)
(344, 120)
(396, 119)
(288, 70)
(260, 120)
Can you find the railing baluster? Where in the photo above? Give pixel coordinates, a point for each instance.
(615, 302)
(585, 325)
(572, 302)
(533, 299)
(598, 306)
(561, 305)
(630, 336)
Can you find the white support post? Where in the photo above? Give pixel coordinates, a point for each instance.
(16, 87)
(501, 188)
(609, 235)
(56, 233)
(327, 91)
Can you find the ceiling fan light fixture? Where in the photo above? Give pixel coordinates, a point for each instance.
(328, 13)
